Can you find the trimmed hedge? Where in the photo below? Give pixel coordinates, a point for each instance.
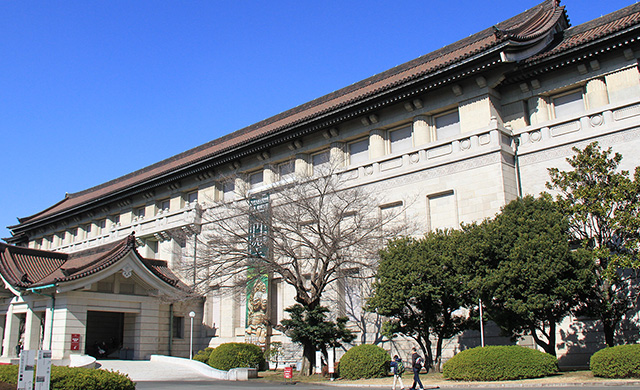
(67, 378)
(233, 355)
(203, 355)
(364, 361)
(499, 363)
(622, 361)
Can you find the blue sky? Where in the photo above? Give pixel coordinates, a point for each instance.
(92, 90)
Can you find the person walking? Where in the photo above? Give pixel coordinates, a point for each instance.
(416, 365)
(398, 369)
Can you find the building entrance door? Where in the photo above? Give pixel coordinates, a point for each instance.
(105, 332)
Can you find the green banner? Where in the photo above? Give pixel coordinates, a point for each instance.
(257, 325)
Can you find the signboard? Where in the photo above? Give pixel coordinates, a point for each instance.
(43, 370)
(75, 342)
(318, 362)
(288, 373)
(25, 371)
(331, 356)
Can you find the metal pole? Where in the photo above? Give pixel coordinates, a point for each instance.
(191, 315)
(481, 323)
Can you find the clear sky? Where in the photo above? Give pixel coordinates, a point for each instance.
(92, 90)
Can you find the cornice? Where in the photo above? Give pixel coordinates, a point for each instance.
(598, 47)
(395, 95)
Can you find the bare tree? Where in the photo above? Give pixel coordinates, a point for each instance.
(309, 231)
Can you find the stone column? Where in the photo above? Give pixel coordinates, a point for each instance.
(11, 328)
(376, 144)
(241, 187)
(337, 155)
(596, 93)
(538, 109)
(301, 165)
(623, 86)
(32, 330)
(148, 329)
(268, 174)
(421, 130)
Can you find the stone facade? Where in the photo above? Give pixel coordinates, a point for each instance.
(439, 135)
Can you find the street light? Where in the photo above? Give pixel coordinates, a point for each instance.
(191, 315)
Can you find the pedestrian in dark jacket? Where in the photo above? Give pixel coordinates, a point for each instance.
(416, 365)
(397, 375)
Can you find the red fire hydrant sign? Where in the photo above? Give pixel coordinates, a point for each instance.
(75, 342)
(288, 372)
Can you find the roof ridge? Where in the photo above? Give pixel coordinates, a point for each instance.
(333, 101)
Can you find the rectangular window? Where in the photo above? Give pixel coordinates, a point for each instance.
(392, 218)
(139, 213)
(115, 220)
(178, 327)
(286, 170)
(447, 125)
(275, 301)
(443, 213)
(192, 197)
(400, 139)
(102, 225)
(568, 105)
(87, 231)
(320, 162)
(228, 191)
(359, 152)
(49, 242)
(164, 205)
(73, 233)
(255, 179)
(61, 237)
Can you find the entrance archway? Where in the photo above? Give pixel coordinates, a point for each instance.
(105, 332)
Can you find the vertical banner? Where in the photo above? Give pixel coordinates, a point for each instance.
(43, 370)
(25, 371)
(257, 326)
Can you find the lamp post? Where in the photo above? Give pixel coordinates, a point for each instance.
(191, 315)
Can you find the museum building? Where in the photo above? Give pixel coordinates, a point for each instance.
(447, 138)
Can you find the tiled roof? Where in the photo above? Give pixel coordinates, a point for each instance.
(25, 268)
(528, 25)
(593, 30)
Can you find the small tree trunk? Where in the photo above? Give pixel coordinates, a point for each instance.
(609, 332)
(438, 362)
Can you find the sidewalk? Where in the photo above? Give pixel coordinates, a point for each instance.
(150, 371)
(435, 380)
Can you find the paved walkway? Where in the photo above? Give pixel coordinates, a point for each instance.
(148, 371)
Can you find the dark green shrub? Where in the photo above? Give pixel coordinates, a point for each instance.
(622, 361)
(499, 363)
(364, 361)
(234, 355)
(203, 355)
(66, 378)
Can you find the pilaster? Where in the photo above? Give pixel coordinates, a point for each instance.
(421, 130)
(376, 144)
(596, 93)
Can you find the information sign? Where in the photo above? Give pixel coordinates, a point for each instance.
(75, 342)
(43, 370)
(25, 370)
